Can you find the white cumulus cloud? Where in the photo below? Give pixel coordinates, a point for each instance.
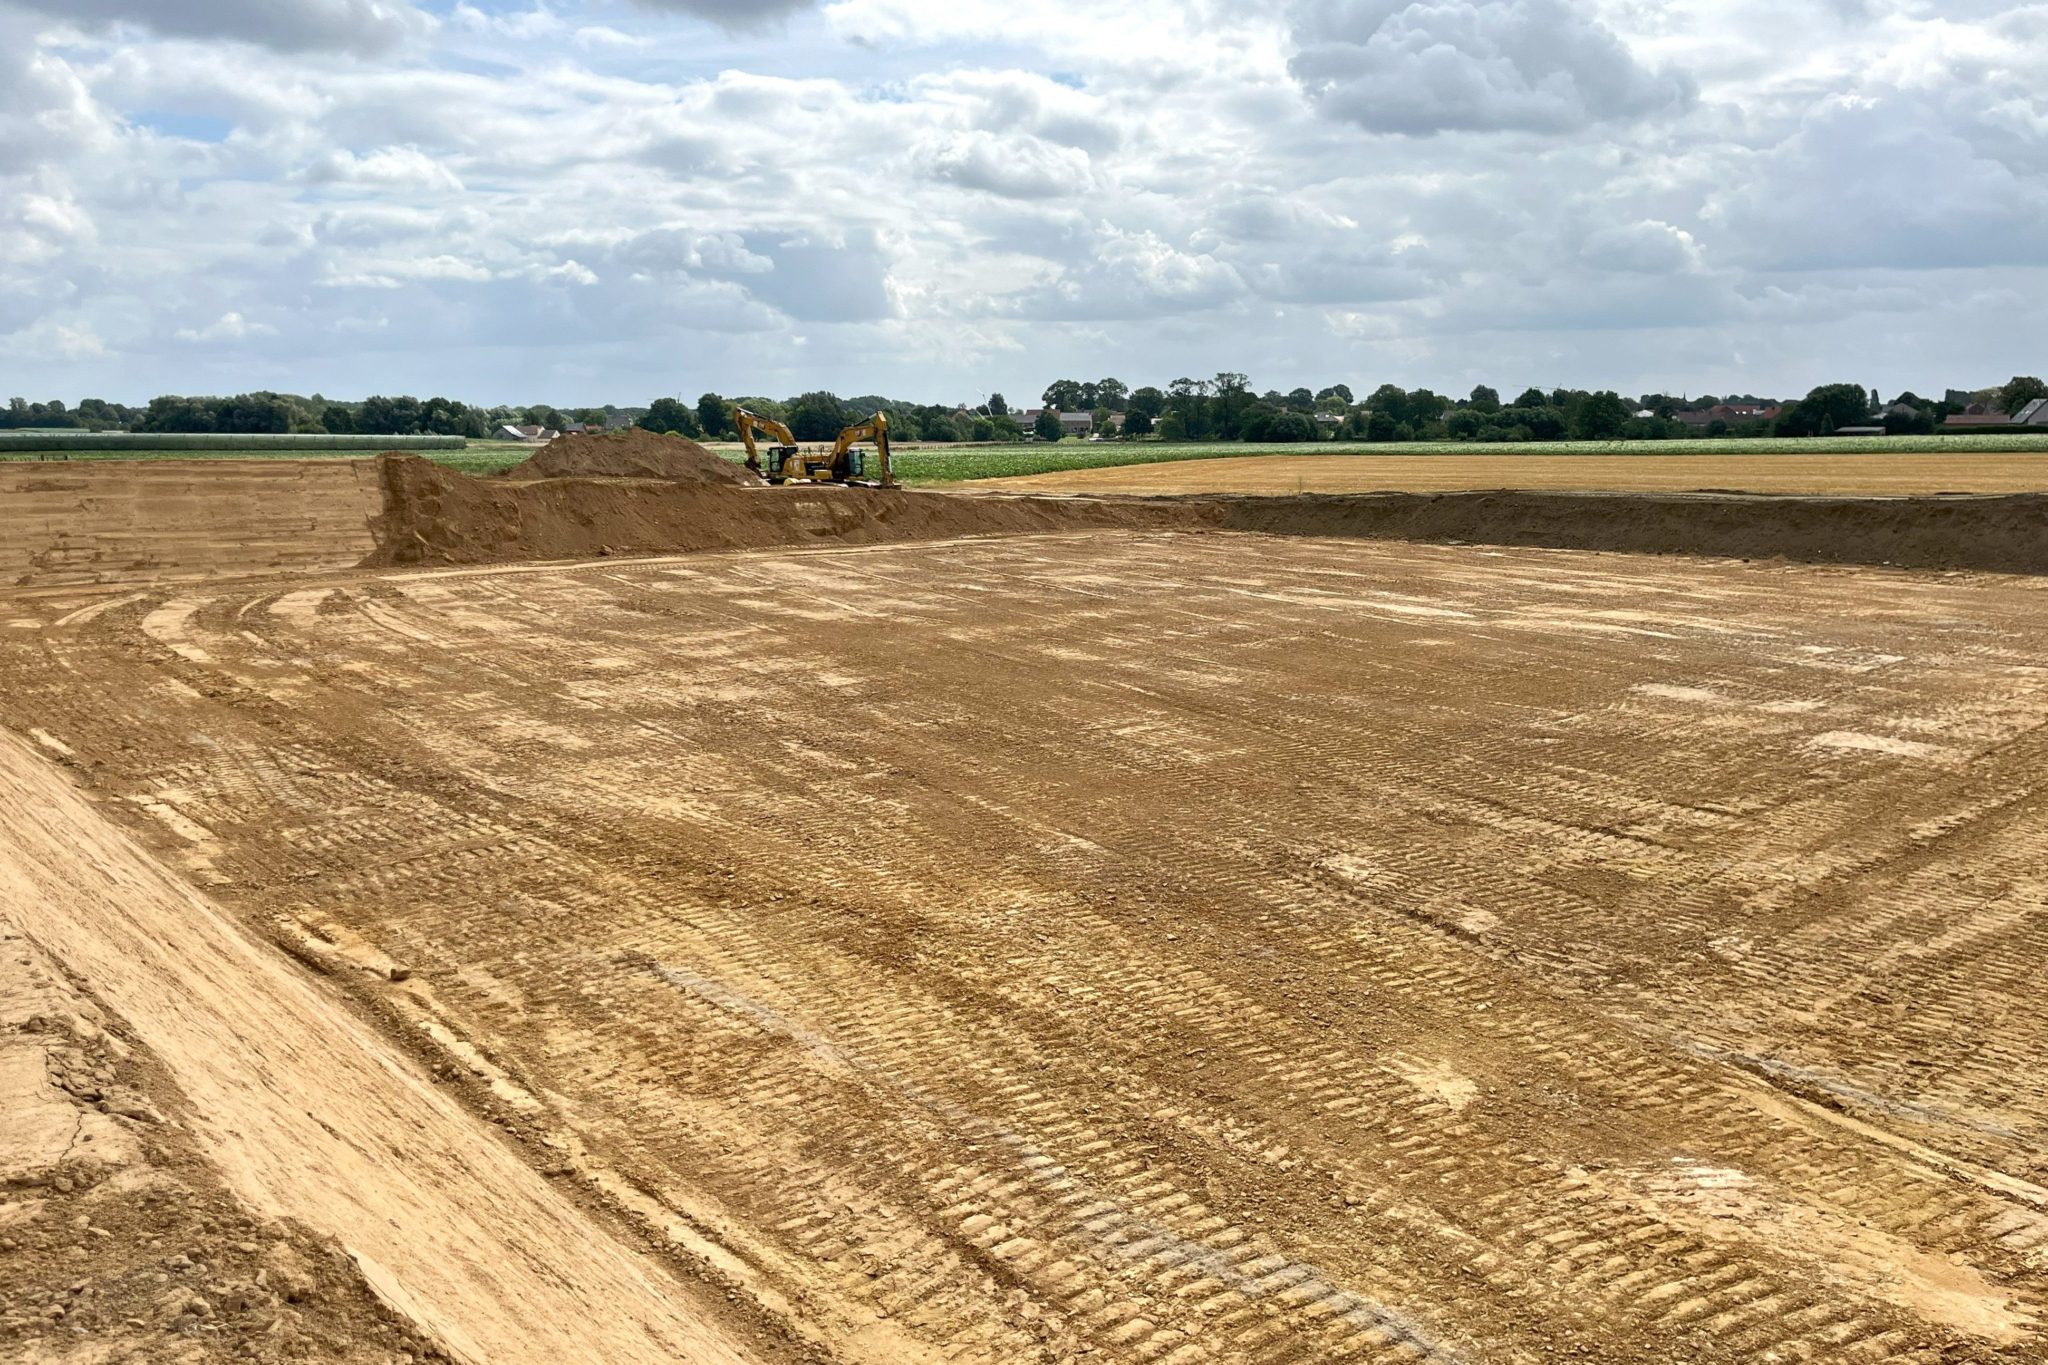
(1434, 66)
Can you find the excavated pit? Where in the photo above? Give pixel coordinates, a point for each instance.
(1140, 944)
(638, 493)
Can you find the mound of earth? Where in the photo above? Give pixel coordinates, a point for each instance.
(630, 454)
(435, 515)
(1992, 533)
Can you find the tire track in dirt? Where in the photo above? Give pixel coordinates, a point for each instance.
(310, 1115)
(1180, 948)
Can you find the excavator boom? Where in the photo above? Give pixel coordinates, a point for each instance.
(875, 429)
(751, 422)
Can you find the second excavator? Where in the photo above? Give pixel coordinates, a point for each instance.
(845, 464)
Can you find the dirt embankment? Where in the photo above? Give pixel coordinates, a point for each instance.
(139, 522)
(308, 1115)
(632, 454)
(433, 515)
(122, 521)
(1993, 534)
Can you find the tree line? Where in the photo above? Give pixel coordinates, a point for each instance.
(267, 413)
(1223, 407)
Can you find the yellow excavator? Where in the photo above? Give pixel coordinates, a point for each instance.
(845, 464)
(751, 422)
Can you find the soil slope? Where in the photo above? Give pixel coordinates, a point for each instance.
(1995, 534)
(434, 515)
(311, 1114)
(106, 521)
(630, 454)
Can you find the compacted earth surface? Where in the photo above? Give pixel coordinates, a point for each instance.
(1859, 475)
(1116, 945)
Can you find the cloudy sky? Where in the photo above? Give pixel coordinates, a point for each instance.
(606, 200)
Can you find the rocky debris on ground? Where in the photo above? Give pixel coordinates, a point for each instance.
(118, 1240)
(629, 454)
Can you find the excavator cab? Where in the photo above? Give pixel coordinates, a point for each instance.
(850, 465)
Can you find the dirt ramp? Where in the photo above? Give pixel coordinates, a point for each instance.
(2002, 534)
(145, 520)
(434, 515)
(631, 454)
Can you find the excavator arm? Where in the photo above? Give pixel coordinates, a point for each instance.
(751, 422)
(875, 429)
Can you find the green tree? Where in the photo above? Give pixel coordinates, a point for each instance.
(1231, 394)
(166, 413)
(1300, 400)
(714, 415)
(1464, 424)
(670, 414)
(998, 406)
(1048, 425)
(1111, 394)
(1826, 408)
(1532, 398)
(1796, 419)
(816, 416)
(1390, 400)
(1067, 395)
(1282, 425)
(1340, 393)
(1137, 422)
(1187, 402)
(2023, 390)
(1149, 401)
(939, 424)
(762, 406)
(1599, 416)
(1425, 406)
(1484, 399)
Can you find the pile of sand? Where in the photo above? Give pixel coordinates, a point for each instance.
(630, 454)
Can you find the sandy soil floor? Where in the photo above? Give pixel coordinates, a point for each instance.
(1891, 475)
(1143, 947)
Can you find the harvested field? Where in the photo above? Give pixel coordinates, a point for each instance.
(1862, 475)
(1134, 945)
